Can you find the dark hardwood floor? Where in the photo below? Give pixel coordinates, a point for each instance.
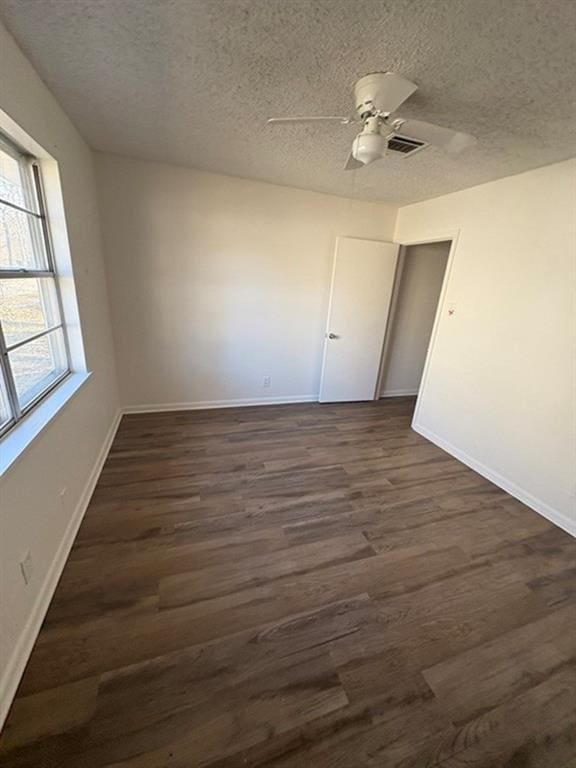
(301, 586)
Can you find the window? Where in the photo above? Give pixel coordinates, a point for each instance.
(33, 346)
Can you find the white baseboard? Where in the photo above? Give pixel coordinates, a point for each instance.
(204, 405)
(19, 658)
(398, 393)
(544, 509)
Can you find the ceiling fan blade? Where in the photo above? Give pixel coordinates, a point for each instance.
(352, 163)
(451, 141)
(392, 91)
(316, 119)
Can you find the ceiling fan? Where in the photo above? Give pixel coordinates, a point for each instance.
(377, 97)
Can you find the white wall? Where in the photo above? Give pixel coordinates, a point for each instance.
(32, 515)
(500, 388)
(413, 317)
(216, 282)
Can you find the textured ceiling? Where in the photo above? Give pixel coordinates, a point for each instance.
(193, 81)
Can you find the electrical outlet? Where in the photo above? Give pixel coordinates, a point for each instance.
(266, 381)
(27, 567)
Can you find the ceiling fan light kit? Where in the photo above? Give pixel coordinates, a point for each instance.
(372, 142)
(377, 96)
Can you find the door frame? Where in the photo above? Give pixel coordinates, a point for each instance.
(448, 235)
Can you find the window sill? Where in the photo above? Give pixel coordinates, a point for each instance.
(15, 443)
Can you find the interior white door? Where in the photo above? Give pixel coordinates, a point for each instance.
(362, 282)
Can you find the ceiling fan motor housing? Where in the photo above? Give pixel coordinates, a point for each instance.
(368, 94)
(381, 93)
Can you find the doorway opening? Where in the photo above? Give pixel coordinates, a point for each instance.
(417, 289)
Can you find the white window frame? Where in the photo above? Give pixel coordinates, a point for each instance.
(32, 179)
(36, 417)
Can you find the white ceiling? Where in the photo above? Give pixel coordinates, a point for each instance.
(193, 81)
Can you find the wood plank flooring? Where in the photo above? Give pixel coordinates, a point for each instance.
(301, 586)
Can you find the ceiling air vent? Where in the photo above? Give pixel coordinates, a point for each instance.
(404, 145)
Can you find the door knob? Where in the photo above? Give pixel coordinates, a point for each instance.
(333, 336)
